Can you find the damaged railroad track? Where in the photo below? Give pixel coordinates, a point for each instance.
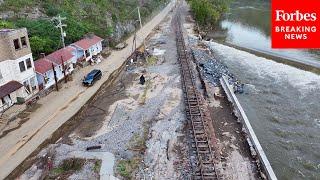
(201, 146)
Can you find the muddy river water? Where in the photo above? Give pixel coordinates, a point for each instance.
(282, 102)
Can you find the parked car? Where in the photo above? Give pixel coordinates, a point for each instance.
(92, 77)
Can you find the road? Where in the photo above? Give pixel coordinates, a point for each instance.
(59, 107)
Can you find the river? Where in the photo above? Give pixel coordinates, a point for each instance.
(281, 101)
(248, 25)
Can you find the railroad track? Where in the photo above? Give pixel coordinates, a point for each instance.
(201, 146)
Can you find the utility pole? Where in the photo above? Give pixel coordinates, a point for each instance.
(144, 43)
(64, 70)
(60, 26)
(55, 77)
(140, 18)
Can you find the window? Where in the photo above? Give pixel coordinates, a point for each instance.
(24, 41)
(22, 66)
(87, 53)
(29, 64)
(16, 44)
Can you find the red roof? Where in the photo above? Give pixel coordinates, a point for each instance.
(87, 42)
(65, 53)
(9, 88)
(42, 65)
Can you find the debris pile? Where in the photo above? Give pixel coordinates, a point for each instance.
(213, 69)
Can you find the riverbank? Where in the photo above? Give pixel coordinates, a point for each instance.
(281, 97)
(282, 104)
(234, 157)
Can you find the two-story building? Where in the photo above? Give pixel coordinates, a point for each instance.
(17, 74)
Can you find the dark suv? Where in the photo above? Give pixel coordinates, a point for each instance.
(92, 77)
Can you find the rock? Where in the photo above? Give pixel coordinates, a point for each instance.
(121, 45)
(212, 69)
(7, 15)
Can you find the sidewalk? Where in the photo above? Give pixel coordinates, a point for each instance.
(58, 107)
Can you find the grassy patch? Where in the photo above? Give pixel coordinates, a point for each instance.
(72, 164)
(152, 60)
(126, 168)
(66, 168)
(97, 166)
(143, 97)
(57, 170)
(138, 142)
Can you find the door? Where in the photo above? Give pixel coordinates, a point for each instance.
(7, 100)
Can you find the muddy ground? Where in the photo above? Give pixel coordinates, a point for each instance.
(140, 125)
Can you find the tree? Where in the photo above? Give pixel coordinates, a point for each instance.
(208, 12)
(41, 45)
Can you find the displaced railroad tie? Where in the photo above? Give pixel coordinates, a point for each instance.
(201, 145)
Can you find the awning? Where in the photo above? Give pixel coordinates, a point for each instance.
(9, 88)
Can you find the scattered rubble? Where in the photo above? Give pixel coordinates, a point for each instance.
(146, 139)
(214, 69)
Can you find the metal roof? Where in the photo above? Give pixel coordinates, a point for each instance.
(9, 88)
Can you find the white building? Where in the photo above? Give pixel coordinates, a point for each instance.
(44, 69)
(88, 47)
(17, 74)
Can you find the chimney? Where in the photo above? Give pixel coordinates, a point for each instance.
(90, 35)
(42, 55)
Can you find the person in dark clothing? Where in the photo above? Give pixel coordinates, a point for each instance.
(142, 79)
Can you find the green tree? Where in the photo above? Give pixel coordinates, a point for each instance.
(44, 36)
(208, 12)
(83, 16)
(41, 45)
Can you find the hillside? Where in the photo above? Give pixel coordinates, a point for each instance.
(110, 19)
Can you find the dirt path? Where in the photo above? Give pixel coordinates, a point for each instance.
(60, 106)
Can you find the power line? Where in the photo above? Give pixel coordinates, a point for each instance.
(144, 43)
(60, 26)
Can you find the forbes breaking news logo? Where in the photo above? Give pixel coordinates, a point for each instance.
(295, 24)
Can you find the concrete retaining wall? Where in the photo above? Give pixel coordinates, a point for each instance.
(253, 140)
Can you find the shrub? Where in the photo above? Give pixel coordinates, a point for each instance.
(6, 24)
(208, 12)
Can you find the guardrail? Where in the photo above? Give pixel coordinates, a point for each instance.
(253, 140)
